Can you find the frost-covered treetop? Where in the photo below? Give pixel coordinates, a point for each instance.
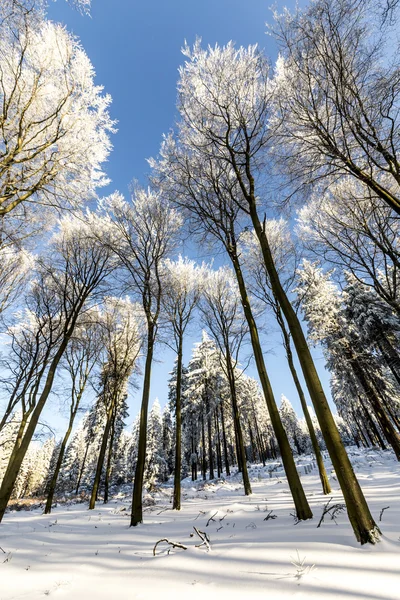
(55, 124)
(224, 91)
(221, 288)
(183, 276)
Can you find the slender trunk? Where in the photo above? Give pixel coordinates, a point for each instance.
(100, 460)
(303, 510)
(54, 478)
(137, 508)
(226, 458)
(326, 488)
(219, 460)
(252, 444)
(78, 483)
(60, 458)
(236, 417)
(178, 444)
(209, 436)
(237, 450)
(364, 526)
(203, 454)
(109, 460)
(18, 455)
(390, 412)
(192, 462)
(260, 443)
(361, 433)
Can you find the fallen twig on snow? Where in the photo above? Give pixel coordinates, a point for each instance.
(211, 518)
(270, 516)
(205, 540)
(173, 544)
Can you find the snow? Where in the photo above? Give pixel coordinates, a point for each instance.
(76, 553)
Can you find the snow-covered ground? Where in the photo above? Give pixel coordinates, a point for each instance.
(75, 553)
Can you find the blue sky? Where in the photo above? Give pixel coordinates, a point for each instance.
(135, 50)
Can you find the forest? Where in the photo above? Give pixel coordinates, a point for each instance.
(288, 173)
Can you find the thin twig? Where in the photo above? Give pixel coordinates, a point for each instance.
(173, 544)
(211, 518)
(382, 511)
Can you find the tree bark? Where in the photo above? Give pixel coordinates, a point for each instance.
(60, 458)
(209, 437)
(219, 458)
(372, 424)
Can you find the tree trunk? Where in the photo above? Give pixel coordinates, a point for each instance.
(361, 433)
(109, 460)
(226, 458)
(326, 488)
(60, 458)
(303, 510)
(18, 455)
(78, 483)
(203, 454)
(390, 356)
(219, 459)
(364, 526)
(100, 460)
(178, 447)
(209, 436)
(252, 444)
(137, 508)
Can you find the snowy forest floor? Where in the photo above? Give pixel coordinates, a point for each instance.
(79, 554)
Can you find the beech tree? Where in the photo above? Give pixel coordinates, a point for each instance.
(182, 284)
(145, 234)
(336, 100)
(222, 314)
(286, 259)
(81, 355)
(122, 340)
(67, 280)
(225, 106)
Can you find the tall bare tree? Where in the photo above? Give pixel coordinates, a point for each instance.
(182, 281)
(121, 337)
(222, 314)
(68, 280)
(337, 102)
(146, 230)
